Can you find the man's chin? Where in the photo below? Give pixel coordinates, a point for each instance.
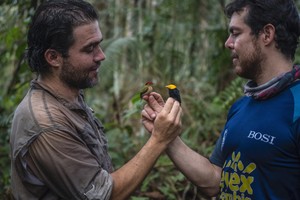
(238, 70)
(92, 84)
(89, 84)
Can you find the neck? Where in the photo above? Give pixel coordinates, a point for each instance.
(273, 69)
(60, 88)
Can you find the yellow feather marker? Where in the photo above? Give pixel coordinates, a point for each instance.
(174, 92)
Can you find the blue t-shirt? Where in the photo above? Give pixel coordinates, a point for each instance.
(259, 148)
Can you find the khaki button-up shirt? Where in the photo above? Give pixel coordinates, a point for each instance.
(59, 150)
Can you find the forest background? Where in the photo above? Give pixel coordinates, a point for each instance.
(163, 41)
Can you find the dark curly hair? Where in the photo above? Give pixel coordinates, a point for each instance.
(282, 14)
(52, 27)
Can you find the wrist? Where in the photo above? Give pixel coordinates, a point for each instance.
(173, 145)
(158, 143)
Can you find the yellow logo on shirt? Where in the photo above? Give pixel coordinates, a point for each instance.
(236, 179)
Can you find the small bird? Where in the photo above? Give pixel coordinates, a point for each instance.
(174, 92)
(146, 89)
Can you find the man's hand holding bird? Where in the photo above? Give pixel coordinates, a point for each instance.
(155, 104)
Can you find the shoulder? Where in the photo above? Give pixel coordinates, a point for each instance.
(40, 110)
(295, 89)
(238, 104)
(295, 93)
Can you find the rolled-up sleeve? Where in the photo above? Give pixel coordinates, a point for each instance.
(101, 187)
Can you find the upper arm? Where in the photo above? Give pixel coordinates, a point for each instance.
(216, 157)
(67, 166)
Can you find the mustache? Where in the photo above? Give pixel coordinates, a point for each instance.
(96, 66)
(233, 55)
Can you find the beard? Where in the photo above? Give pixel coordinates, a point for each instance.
(251, 64)
(77, 78)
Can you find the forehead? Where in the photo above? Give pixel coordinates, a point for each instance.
(87, 33)
(237, 20)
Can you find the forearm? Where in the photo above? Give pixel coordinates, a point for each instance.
(165, 128)
(195, 167)
(129, 177)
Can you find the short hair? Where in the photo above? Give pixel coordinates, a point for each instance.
(52, 27)
(282, 14)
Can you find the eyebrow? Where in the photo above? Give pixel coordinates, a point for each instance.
(92, 44)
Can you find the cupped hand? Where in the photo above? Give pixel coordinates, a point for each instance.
(167, 124)
(155, 101)
(155, 104)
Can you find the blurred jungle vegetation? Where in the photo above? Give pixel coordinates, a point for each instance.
(163, 41)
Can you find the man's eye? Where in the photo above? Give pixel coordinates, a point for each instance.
(90, 49)
(234, 34)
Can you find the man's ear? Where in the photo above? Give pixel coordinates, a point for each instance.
(53, 57)
(268, 34)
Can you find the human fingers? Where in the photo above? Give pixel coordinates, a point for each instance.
(148, 113)
(158, 98)
(176, 109)
(155, 102)
(168, 105)
(175, 114)
(167, 124)
(178, 117)
(148, 124)
(167, 117)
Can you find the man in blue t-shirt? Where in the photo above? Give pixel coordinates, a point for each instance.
(258, 153)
